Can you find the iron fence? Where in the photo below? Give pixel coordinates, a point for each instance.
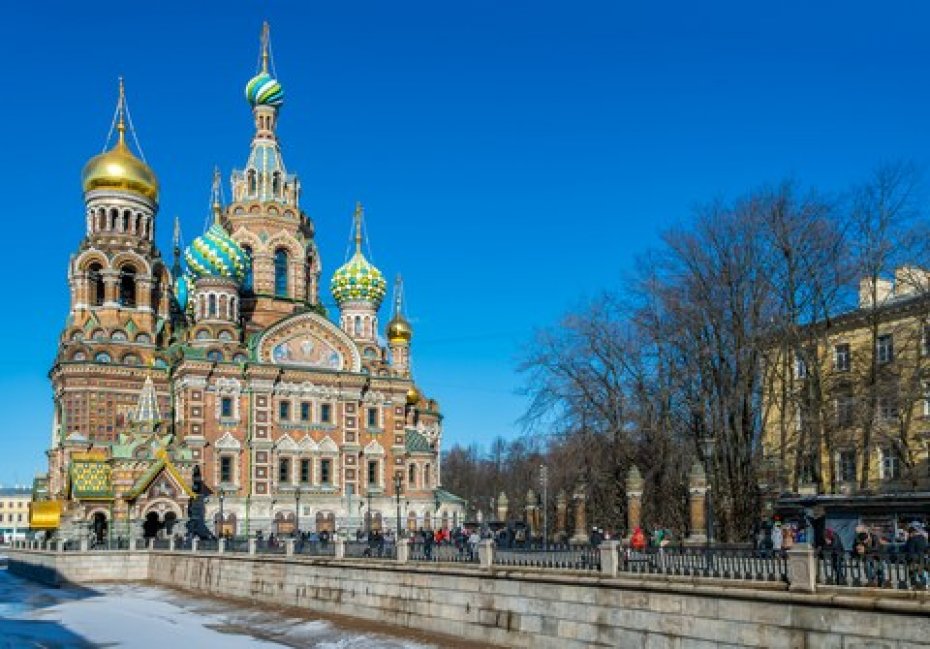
(442, 553)
(713, 562)
(314, 548)
(876, 570)
(370, 550)
(562, 557)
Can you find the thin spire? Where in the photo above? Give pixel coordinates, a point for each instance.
(398, 295)
(121, 115)
(215, 195)
(266, 42)
(359, 212)
(147, 407)
(176, 245)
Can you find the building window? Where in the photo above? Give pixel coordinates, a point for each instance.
(326, 413)
(884, 348)
(807, 471)
(127, 286)
(845, 410)
(427, 479)
(891, 464)
(304, 411)
(284, 470)
(280, 272)
(211, 309)
(326, 467)
(284, 410)
(888, 408)
(226, 409)
(372, 472)
(412, 475)
(97, 290)
(926, 399)
(847, 466)
(372, 417)
(247, 280)
(800, 367)
(841, 357)
(102, 357)
(225, 469)
(304, 471)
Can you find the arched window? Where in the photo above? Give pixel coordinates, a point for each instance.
(102, 357)
(358, 325)
(212, 310)
(127, 286)
(412, 476)
(275, 182)
(280, 272)
(232, 308)
(126, 218)
(214, 355)
(114, 215)
(95, 281)
(247, 281)
(251, 181)
(426, 477)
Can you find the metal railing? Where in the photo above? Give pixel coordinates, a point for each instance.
(443, 553)
(712, 562)
(370, 550)
(874, 569)
(315, 548)
(562, 557)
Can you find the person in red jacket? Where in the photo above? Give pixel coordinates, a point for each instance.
(638, 540)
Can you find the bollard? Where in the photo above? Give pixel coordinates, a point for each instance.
(610, 558)
(60, 545)
(151, 544)
(403, 550)
(195, 542)
(253, 545)
(289, 547)
(802, 568)
(339, 545)
(486, 553)
(171, 543)
(83, 544)
(221, 545)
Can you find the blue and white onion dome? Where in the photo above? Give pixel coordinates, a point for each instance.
(264, 90)
(358, 280)
(216, 254)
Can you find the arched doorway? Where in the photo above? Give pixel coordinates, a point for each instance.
(225, 526)
(151, 525)
(100, 527)
(284, 523)
(325, 522)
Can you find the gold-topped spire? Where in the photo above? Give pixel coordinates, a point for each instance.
(121, 115)
(359, 212)
(215, 195)
(399, 329)
(398, 294)
(266, 40)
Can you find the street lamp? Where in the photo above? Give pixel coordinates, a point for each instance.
(219, 523)
(544, 483)
(368, 512)
(297, 514)
(398, 485)
(436, 510)
(707, 442)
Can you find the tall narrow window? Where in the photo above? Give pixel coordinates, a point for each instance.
(284, 410)
(280, 272)
(248, 280)
(326, 413)
(372, 417)
(226, 407)
(304, 471)
(211, 312)
(127, 286)
(847, 466)
(225, 469)
(326, 471)
(412, 476)
(427, 479)
(95, 281)
(891, 464)
(304, 411)
(800, 367)
(284, 470)
(372, 473)
(884, 348)
(841, 357)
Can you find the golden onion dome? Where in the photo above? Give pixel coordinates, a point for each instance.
(399, 330)
(413, 396)
(119, 169)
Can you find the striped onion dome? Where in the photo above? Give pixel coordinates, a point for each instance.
(215, 254)
(358, 280)
(264, 90)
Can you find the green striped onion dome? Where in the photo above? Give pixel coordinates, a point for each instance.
(215, 254)
(358, 280)
(263, 89)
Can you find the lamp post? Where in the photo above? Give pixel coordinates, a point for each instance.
(707, 442)
(368, 511)
(544, 483)
(398, 485)
(436, 511)
(493, 514)
(297, 510)
(218, 527)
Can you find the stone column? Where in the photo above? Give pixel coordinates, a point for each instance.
(486, 554)
(580, 537)
(610, 558)
(339, 546)
(531, 518)
(221, 545)
(502, 507)
(195, 543)
(561, 517)
(697, 500)
(634, 500)
(253, 545)
(289, 547)
(403, 550)
(171, 543)
(151, 544)
(83, 544)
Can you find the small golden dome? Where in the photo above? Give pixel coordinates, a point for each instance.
(119, 169)
(413, 396)
(399, 330)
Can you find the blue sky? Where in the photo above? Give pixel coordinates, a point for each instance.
(513, 157)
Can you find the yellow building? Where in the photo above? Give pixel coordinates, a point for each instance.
(846, 402)
(14, 512)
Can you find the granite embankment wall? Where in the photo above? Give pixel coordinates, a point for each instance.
(527, 608)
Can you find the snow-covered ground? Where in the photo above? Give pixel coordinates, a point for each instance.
(129, 615)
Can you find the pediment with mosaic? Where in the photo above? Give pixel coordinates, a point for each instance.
(309, 341)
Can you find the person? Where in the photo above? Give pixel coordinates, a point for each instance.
(473, 540)
(638, 540)
(777, 537)
(833, 548)
(428, 545)
(915, 552)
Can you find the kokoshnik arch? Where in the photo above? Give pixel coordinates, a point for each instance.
(227, 361)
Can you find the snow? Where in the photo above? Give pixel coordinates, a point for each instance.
(148, 617)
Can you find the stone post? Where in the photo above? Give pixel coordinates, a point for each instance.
(403, 550)
(221, 545)
(802, 568)
(486, 553)
(634, 500)
(697, 500)
(289, 547)
(151, 544)
(195, 543)
(83, 544)
(531, 518)
(610, 558)
(253, 545)
(339, 545)
(59, 544)
(171, 543)
(561, 517)
(134, 543)
(502, 507)
(580, 537)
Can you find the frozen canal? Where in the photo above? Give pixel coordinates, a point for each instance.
(129, 615)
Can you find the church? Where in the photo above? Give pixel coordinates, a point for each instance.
(222, 366)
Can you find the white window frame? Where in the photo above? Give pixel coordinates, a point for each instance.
(846, 365)
(884, 353)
